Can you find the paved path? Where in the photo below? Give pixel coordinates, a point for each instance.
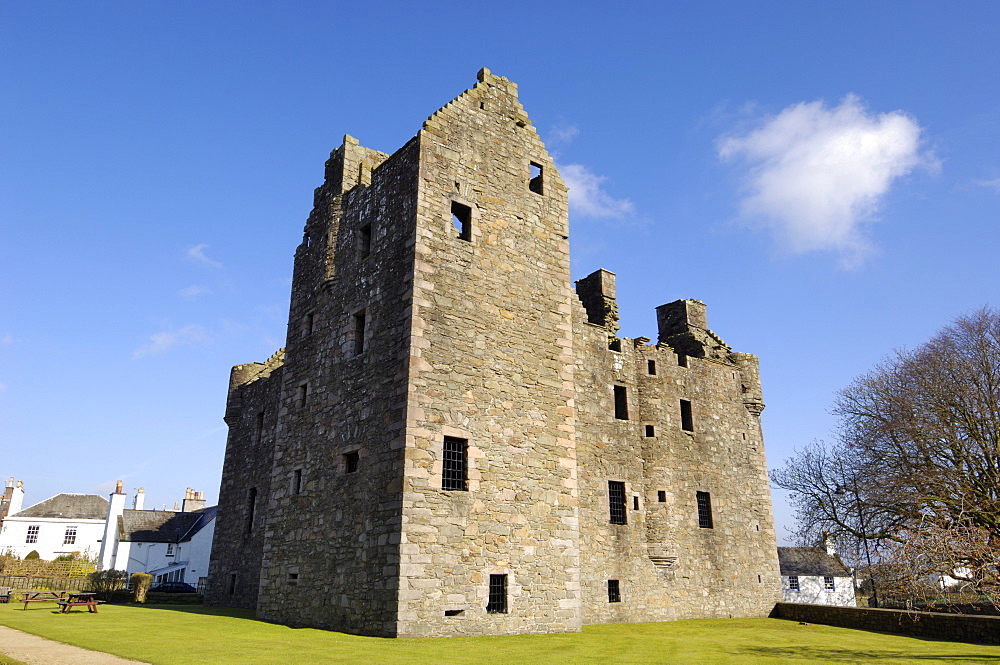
(35, 650)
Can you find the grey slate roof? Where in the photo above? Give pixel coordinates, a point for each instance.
(69, 506)
(805, 561)
(161, 526)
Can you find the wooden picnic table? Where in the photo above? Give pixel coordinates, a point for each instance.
(80, 598)
(34, 596)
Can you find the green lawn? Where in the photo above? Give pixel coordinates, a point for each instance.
(183, 635)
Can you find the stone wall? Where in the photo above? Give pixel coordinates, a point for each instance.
(939, 626)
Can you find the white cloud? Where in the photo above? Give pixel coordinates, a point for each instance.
(817, 175)
(587, 196)
(197, 253)
(563, 132)
(162, 342)
(990, 184)
(192, 292)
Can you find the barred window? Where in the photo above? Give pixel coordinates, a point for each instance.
(455, 470)
(828, 583)
(793, 582)
(616, 500)
(497, 603)
(704, 510)
(614, 592)
(32, 534)
(70, 537)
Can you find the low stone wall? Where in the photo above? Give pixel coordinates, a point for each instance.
(936, 625)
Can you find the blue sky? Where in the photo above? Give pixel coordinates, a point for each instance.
(825, 176)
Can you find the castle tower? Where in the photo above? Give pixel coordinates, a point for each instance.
(454, 442)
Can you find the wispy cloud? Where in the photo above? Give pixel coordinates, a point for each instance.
(197, 254)
(563, 132)
(192, 292)
(816, 175)
(163, 341)
(990, 184)
(587, 196)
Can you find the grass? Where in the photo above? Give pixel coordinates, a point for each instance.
(189, 635)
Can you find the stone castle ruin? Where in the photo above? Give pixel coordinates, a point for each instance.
(454, 441)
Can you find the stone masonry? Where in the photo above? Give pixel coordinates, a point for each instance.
(454, 441)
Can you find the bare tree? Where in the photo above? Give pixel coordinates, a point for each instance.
(918, 453)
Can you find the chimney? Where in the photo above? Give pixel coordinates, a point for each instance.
(828, 544)
(193, 501)
(109, 543)
(13, 499)
(139, 500)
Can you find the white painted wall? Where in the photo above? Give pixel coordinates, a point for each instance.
(152, 558)
(51, 536)
(812, 590)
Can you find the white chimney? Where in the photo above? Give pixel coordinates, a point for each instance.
(116, 505)
(139, 500)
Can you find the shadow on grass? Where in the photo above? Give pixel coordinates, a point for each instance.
(195, 609)
(821, 654)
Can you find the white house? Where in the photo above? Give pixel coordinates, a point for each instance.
(62, 524)
(815, 575)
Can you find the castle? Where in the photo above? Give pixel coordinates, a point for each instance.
(454, 441)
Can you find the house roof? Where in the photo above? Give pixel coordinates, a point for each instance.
(69, 506)
(811, 561)
(161, 526)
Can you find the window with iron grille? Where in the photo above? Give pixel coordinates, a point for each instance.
(793, 582)
(828, 584)
(704, 510)
(614, 592)
(497, 603)
(455, 470)
(32, 534)
(616, 500)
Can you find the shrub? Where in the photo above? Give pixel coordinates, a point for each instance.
(32, 555)
(105, 582)
(140, 585)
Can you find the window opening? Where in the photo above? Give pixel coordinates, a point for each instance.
(535, 181)
(300, 399)
(828, 583)
(307, 324)
(621, 403)
(259, 427)
(365, 240)
(232, 583)
(635, 502)
(297, 481)
(687, 420)
(651, 367)
(614, 591)
(497, 603)
(616, 501)
(615, 345)
(251, 508)
(682, 360)
(351, 461)
(454, 613)
(650, 430)
(70, 537)
(32, 534)
(170, 549)
(293, 578)
(661, 496)
(455, 468)
(359, 332)
(793, 582)
(461, 218)
(704, 510)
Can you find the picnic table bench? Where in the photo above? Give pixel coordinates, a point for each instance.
(38, 596)
(79, 599)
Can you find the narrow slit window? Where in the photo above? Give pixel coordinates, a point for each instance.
(535, 181)
(251, 508)
(360, 321)
(302, 396)
(232, 583)
(621, 403)
(297, 481)
(614, 591)
(497, 603)
(461, 218)
(682, 360)
(687, 420)
(307, 324)
(351, 461)
(651, 367)
(365, 240)
(650, 430)
(635, 502)
(455, 467)
(704, 510)
(259, 427)
(661, 496)
(616, 501)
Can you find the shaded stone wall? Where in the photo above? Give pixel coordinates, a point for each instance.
(936, 625)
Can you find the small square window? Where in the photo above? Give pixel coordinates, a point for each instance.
(497, 603)
(661, 496)
(351, 461)
(615, 345)
(650, 430)
(793, 582)
(614, 591)
(651, 367)
(535, 182)
(293, 578)
(461, 219)
(704, 510)
(828, 584)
